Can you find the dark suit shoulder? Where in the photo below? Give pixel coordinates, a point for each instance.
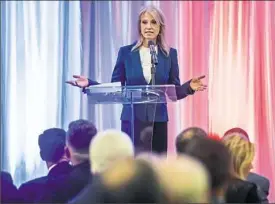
(34, 189)
(29, 189)
(9, 192)
(127, 47)
(65, 187)
(262, 183)
(5, 176)
(60, 169)
(173, 51)
(241, 191)
(256, 177)
(33, 182)
(238, 183)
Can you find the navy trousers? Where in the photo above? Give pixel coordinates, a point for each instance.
(148, 136)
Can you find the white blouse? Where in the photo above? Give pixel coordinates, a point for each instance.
(145, 58)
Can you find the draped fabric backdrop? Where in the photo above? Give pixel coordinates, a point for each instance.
(40, 49)
(45, 43)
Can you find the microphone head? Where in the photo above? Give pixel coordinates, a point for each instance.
(151, 43)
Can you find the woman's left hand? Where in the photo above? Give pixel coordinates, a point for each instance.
(197, 85)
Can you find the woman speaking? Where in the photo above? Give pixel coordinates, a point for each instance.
(133, 67)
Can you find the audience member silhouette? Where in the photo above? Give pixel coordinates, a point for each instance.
(127, 181)
(216, 157)
(78, 138)
(106, 148)
(9, 193)
(262, 182)
(242, 154)
(52, 150)
(188, 135)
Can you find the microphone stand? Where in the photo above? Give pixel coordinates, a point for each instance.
(154, 62)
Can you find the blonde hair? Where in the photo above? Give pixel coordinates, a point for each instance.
(242, 153)
(160, 19)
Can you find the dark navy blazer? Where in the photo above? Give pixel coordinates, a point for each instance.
(128, 71)
(9, 192)
(30, 191)
(262, 184)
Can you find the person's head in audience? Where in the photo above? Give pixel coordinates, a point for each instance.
(78, 138)
(216, 158)
(186, 136)
(183, 180)
(236, 131)
(128, 181)
(107, 147)
(52, 144)
(242, 153)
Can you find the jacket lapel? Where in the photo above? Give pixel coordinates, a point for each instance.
(162, 63)
(136, 66)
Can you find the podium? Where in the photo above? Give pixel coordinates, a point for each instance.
(114, 93)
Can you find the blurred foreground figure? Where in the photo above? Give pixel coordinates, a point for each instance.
(216, 158)
(128, 181)
(106, 148)
(183, 180)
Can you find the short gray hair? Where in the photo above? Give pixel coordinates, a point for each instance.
(107, 147)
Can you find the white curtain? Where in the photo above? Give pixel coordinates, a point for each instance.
(40, 49)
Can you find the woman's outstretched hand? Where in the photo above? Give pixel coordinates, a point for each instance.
(197, 85)
(80, 81)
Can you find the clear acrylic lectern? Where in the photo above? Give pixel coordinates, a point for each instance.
(113, 93)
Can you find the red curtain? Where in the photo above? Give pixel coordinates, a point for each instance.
(233, 43)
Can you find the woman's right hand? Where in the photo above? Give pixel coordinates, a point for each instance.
(80, 81)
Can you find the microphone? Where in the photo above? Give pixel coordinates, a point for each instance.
(154, 60)
(153, 53)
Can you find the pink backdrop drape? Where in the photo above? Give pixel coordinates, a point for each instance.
(233, 43)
